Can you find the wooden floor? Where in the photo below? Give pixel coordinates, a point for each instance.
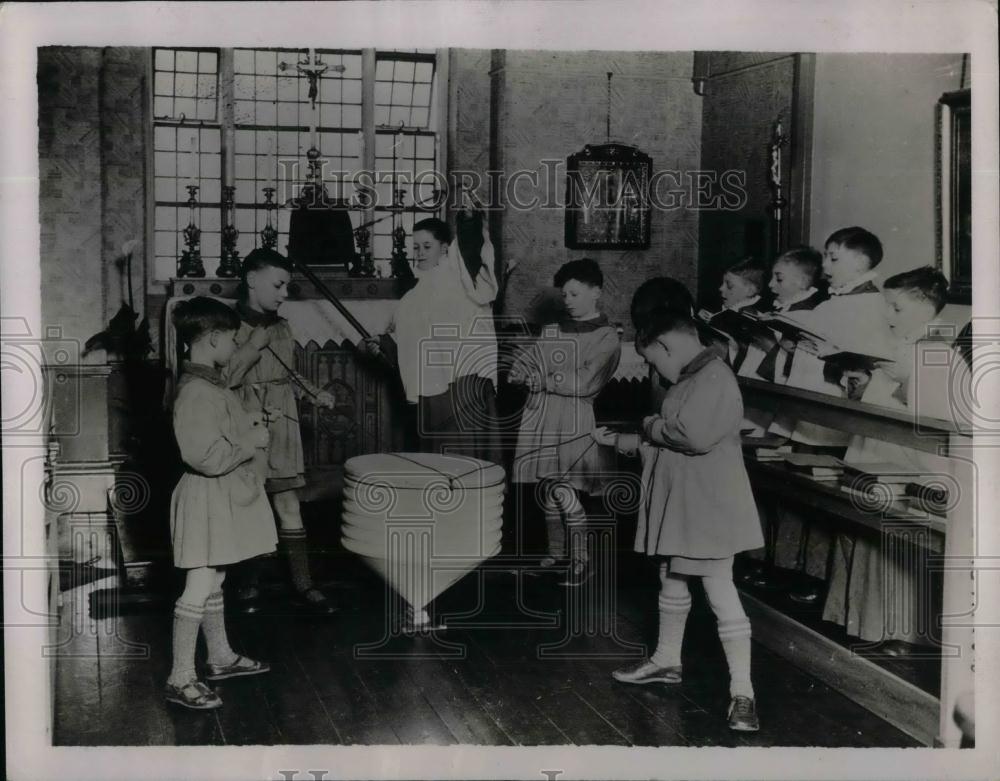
(334, 681)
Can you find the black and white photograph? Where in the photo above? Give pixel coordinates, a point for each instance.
(500, 390)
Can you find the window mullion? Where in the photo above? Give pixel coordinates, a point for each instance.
(368, 124)
(227, 116)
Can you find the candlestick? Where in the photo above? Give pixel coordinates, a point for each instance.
(269, 234)
(230, 261)
(399, 263)
(190, 264)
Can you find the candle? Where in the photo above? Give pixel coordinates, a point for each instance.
(272, 164)
(193, 162)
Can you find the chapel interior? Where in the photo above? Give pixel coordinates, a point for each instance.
(142, 148)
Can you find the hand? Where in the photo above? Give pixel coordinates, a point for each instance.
(854, 383)
(515, 377)
(604, 436)
(808, 345)
(260, 337)
(786, 344)
(326, 399)
(468, 207)
(370, 346)
(704, 314)
(534, 382)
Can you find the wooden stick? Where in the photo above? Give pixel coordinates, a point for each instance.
(329, 296)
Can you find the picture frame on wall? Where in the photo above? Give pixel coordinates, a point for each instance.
(954, 193)
(607, 198)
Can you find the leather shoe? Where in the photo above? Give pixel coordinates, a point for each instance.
(808, 595)
(647, 672)
(743, 715)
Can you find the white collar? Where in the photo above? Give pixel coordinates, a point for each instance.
(740, 304)
(802, 295)
(868, 276)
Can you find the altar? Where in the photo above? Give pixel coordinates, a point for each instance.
(368, 416)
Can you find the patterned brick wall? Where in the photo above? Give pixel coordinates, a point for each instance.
(124, 134)
(549, 105)
(69, 153)
(92, 199)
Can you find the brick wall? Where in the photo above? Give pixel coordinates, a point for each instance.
(69, 152)
(547, 106)
(92, 134)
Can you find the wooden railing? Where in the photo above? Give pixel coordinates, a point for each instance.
(951, 542)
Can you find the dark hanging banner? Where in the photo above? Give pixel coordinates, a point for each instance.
(607, 198)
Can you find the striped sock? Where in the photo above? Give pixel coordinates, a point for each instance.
(213, 624)
(556, 533)
(576, 530)
(187, 619)
(673, 617)
(297, 552)
(735, 636)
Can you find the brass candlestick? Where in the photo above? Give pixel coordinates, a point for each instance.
(269, 234)
(190, 264)
(229, 265)
(361, 266)
(399, 263)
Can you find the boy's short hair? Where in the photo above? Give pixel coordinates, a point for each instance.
(807, 260)
(436, 227)
(199, 316)
(859, 240)
(926, 283)
(750, 271)
(583, 270)
(659, 292)
(664, 321)
(262, 257)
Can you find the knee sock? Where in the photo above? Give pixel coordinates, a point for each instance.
(187, 619)
(674, 610)
(576, 529)
(735, 637)
(213, 624)
(297, 552)
(734, 632)
(556, 533)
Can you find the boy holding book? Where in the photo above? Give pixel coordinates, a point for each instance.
(853, 317)
(861, 570)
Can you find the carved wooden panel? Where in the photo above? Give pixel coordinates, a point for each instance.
(365, 418)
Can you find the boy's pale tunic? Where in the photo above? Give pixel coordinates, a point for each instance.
(219, 513)
(697, 501)
(262, 382)
(853, 320)
(574, 362)
(862, 573)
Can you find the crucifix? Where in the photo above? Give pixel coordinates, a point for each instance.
(314, 68)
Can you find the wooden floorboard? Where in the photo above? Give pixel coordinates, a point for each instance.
(404, 708)
(499, 691)
(439, 681)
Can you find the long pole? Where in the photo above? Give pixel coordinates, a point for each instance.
(329, 296)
